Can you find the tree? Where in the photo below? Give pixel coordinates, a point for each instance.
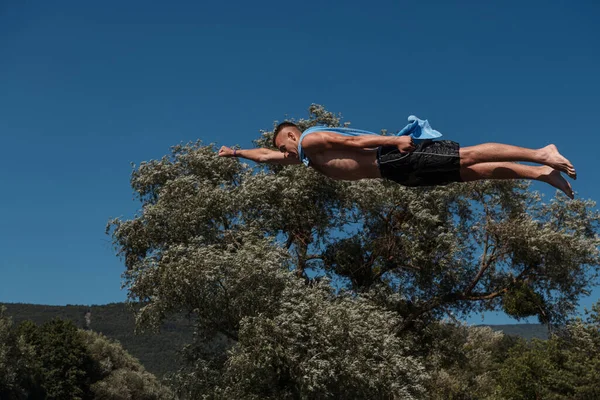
(16, 358)
(312, 346)
(117, 375)
(567, 366)
(464, 361)
(58, 361)
(8, 375)
(61, 360)
(216, 238)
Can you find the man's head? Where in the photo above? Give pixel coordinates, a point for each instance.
(285, 138)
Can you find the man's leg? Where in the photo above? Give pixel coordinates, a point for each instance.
(495, 152)
(508, 170)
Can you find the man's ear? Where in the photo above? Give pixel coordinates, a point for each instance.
(291, 136)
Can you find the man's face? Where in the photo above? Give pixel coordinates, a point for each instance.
(287, 141)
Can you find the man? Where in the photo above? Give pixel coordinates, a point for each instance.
(348, 154)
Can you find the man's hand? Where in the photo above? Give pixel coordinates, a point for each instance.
(225, 151)
(406, 144)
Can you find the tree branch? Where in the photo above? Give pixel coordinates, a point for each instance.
(486, 296)
(289, 241)
(426, 307)
(447, 299)
(485, 264)
(459, 296)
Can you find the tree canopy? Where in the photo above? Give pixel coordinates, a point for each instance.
(306, 287)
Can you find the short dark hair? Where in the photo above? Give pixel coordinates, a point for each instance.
(279, 127)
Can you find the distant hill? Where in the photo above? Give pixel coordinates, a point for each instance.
(158, 352)
(526, 331)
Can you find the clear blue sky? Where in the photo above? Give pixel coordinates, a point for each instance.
(86, 88)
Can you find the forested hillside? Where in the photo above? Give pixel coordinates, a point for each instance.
(158, 353)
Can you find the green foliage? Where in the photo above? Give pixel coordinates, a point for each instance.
(58, 361)
(120, 376)
(16, 360)
(158, 353)
(314, 348)
(464, 361)
(61, 359)
(522, 301)
(218, 239)
(567, 366)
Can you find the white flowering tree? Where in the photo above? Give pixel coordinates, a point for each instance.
(244, 249)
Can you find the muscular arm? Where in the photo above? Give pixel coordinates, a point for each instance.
(260, 155)
(320, 141)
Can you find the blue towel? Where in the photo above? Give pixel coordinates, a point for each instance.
(417, 128)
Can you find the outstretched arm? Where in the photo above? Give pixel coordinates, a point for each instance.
(320, 141)
(260, 155)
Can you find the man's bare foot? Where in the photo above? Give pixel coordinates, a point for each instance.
(553, 177)
(556, 160)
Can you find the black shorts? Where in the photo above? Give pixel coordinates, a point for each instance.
(432, 163)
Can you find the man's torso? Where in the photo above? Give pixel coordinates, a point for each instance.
(346, 164)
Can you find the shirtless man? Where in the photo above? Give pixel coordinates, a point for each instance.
(400, 159)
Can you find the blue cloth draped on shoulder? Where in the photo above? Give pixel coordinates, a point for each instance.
(418, 129)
